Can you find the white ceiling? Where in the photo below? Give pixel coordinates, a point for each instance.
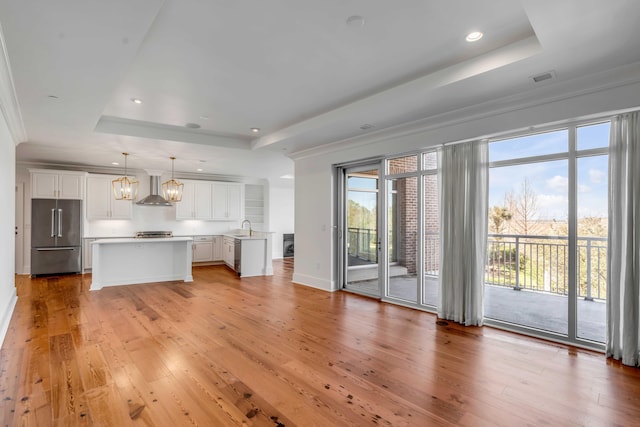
(293, 68)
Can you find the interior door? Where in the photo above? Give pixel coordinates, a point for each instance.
(361, 242)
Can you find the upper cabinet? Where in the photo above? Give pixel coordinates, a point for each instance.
(54, 184)
(185, 208)
(101, 202)
(207, 200)
(227, 201)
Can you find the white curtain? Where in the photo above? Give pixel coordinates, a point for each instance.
(464, 182)
(623, 261)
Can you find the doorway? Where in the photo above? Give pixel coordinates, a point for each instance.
(360, 229)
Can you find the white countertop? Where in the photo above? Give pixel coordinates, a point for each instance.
(141, 240)
(245, 236)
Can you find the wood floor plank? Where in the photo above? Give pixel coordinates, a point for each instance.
(262, 351)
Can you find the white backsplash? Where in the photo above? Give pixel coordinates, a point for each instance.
(156, 218)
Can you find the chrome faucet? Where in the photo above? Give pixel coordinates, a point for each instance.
(250, 229)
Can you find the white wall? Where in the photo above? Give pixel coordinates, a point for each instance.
(281, 216)
(7, 224)
(315, 198)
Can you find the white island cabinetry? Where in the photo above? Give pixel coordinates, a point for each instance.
(249, 255)
(128, 261)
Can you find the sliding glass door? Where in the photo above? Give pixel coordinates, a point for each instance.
(361, 239)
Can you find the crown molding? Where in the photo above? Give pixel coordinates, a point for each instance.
(8, 99)
(626, 75)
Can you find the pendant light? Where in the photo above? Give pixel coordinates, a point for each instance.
(125, 187)
(172, 189)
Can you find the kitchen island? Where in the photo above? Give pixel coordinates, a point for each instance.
(129, 260)
(248, 254)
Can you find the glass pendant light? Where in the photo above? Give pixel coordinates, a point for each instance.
(172, 189)
(125, 187)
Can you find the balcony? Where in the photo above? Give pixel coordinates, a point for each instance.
(526, 279)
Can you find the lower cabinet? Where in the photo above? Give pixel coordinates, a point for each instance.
(207, 248)
(202, 248)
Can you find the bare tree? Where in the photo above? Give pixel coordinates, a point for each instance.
(525, 209)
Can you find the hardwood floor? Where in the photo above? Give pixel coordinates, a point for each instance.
(223, 351)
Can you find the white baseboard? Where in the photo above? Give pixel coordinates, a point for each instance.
(6, 317)
(314, 282)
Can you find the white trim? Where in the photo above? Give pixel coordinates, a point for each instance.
(8, 99)
(561, 91)
(6, 318)
(314, 282)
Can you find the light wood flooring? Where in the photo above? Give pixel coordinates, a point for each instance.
(223, 351)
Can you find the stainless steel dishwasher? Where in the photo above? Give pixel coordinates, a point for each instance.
(237, 255)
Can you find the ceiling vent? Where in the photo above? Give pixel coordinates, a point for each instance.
(538, 78)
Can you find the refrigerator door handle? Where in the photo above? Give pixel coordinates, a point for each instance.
(59, 222)
(53, 223)
(55, 249)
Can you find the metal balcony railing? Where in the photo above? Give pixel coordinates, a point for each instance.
(361, 244)
(536, 263)
(541, 263)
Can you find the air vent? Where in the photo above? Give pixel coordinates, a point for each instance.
(543, 76)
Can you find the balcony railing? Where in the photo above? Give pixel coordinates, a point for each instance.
(536, 263)
(541, 263)
(362, 244)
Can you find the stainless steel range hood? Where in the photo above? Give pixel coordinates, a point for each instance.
(154, 198)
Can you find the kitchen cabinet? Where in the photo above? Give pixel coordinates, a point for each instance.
(101, 202)
(203, 248)
(217, 248)
(208, 200)
(228, 251)
(55, 184)
(184, 208)
(227, 201)
(207, 248)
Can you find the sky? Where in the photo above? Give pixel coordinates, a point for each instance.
(550, 180)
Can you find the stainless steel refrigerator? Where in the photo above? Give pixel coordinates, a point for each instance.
(56, 235)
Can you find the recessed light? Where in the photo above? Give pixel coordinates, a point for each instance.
(474, 36)
(255, 130)
(115, 163)
(367, 126)
(136, 100)
(52, 96)
(287, 176)
(192, 125)
(199, 169)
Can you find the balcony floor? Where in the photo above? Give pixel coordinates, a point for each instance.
(544, 311)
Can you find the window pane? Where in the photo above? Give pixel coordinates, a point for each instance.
(402, 235)
(528, 246)
(592, 247)
(363, 182)
(402, 165)
(593, 136)
(529, 146)
(430, 161)
(431, 289)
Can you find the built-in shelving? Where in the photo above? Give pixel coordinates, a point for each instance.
(254, 205)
